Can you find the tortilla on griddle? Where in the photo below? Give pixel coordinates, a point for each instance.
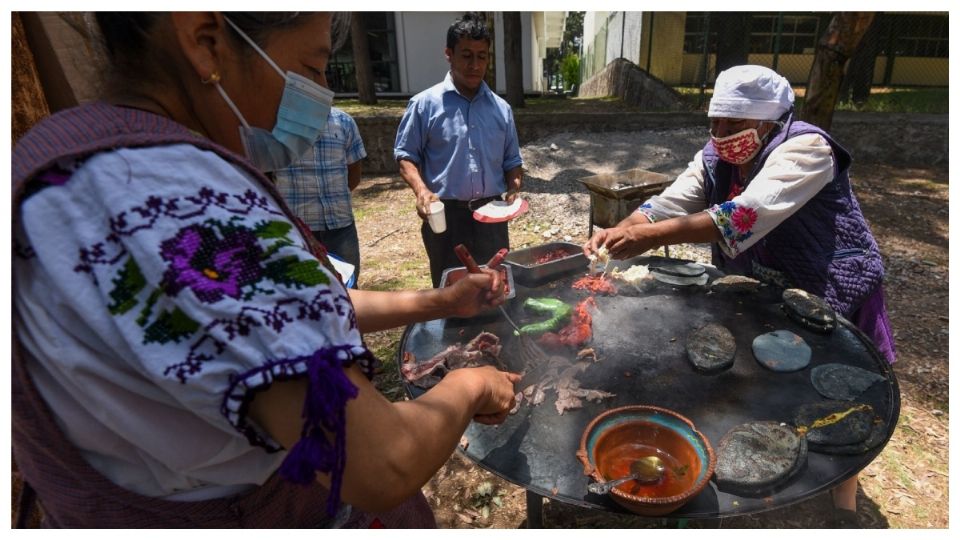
(781, 351)
(809, 310)
(877, 434)
(852, 425)
(682, 281)
(840, 381)
(735, 283)
(757, 457)
(681, 270)
(711, 349)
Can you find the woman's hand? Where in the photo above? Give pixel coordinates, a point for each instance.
(596, 242)
(496, 395)
(626, 242)
(474, 293)
(623, 242)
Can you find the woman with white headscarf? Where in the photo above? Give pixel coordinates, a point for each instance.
(773, 196)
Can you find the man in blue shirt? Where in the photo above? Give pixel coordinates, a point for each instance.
(317, 187)
(457, 143)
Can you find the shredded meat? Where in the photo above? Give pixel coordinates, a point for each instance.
(480, 351)
(561, 377)
(597, 284)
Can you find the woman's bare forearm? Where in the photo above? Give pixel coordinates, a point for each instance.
(382, 310)
(693, 228)
(393, 448)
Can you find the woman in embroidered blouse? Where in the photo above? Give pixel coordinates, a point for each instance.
(773, 196)
(172, 316)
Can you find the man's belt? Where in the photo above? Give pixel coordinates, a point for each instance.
(471, 205)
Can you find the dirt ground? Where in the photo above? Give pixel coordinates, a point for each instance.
(905, 487)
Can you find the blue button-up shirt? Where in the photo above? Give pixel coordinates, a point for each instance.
(463, 147)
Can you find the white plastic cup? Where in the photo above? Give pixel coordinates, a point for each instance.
(436, 217)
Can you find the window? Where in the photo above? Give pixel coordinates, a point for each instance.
(694, 27)
(382, 42)
(920, 35)
(798, 33)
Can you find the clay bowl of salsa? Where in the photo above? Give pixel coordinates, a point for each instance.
(618, 437)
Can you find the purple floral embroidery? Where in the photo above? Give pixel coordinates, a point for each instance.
(217, 334)
(146, 215)
(210, 266)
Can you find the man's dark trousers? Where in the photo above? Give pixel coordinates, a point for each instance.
(482, 239)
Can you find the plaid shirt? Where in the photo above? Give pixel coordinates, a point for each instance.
(316, 187)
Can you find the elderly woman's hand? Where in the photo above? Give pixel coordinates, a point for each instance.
(626, 242)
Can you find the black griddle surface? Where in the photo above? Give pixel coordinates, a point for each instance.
(639, 336)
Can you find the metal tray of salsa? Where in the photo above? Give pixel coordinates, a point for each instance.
(537, 265)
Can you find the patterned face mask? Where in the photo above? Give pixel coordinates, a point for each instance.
(738, 148)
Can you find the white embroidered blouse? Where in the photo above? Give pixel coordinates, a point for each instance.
(158, 289)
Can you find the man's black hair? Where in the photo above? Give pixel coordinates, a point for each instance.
(472, 25)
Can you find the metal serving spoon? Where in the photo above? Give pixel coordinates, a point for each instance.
(646, 470)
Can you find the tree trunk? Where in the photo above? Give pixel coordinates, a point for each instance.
(513, 57)
(29, 104)
(835, 47)
(491, 77)
(366, 92)
(733, 38)
(859, 78)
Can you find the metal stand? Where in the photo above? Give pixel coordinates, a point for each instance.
(534, 510)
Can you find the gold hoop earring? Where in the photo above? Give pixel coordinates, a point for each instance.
(214, 79)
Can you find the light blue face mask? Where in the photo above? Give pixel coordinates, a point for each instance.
(301, 117)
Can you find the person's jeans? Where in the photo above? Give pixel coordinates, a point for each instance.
(343, 243)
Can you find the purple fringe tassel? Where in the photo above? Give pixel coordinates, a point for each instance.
(324, 410)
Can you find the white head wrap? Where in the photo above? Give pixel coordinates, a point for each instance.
(750, 92)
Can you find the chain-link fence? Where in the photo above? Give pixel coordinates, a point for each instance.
(686, 50)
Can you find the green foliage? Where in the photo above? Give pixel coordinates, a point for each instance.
(906, 100)
(485, 496)
(572, 31)
(570, 68)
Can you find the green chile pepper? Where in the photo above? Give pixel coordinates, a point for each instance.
(558, 311)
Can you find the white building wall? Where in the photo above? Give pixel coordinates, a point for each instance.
(533, 62)
(422, 38)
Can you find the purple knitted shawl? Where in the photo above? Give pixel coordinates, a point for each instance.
(74, 135)
(826, 247)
